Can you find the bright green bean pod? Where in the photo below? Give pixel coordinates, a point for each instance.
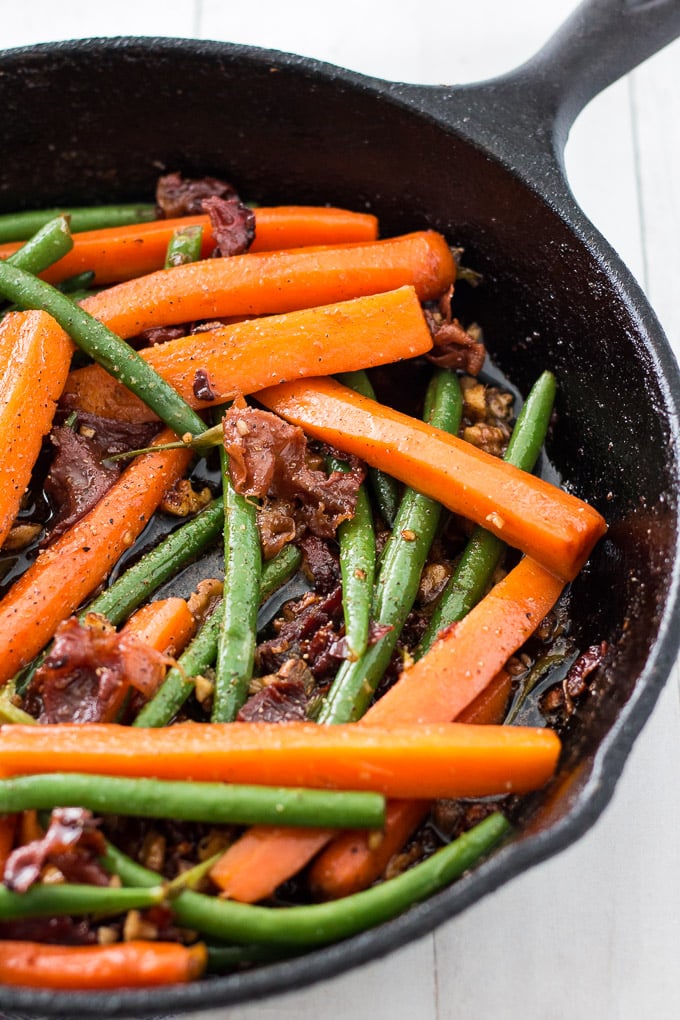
(386, 489)
(400, 568)
(46, 246)
(184, 246)
(139, 581)
(278, 570)
(79, 283)
(202, 652)
(18, 226)
(323, 923)
(97, 340)
(483, 552)
(242, 571)
(356, 538)
(55, 900)
(218, 803)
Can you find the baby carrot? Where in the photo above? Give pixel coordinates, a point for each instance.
(35, 355)
(44, 595)
(445, 760)
(549, 524)
(355, 859)
(123, 252)
(245, 356)
(254, 866)
(134, 964)
(263, 283)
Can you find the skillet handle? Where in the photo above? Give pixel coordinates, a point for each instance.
(524, 116)
(600, 42)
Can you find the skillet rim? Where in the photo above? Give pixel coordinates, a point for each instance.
(421, 102)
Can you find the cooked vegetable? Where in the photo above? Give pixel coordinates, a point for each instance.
(401, 565)
(39, 600)
(446, 760)
(163, 725)
(324, 922)
(184, 246)
(245, 356)
(238, 629)
(484, 550)
(356, 538)
(122, 252)
(17, 226)
(275, 282)
(551, 525)
(134, 964)
(36, 358)
(354, 860)
(101, 344)
(192, 801)
(436, 689)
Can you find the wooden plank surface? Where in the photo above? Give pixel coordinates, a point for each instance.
(594, 932)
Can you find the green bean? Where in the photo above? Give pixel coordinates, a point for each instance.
(97, 340)
(277, 571)
(483, 551)
(184, 246)
(219, 803)
(162, 562)
(79, 283)
(46, 246)
(356, 538)
(18, 226)
(201, 653)
(55, 900)
(11, 713)
(243, 567)
(322, 923)
(385, 488)
(400, 568)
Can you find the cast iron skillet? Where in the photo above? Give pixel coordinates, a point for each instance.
(90, 120)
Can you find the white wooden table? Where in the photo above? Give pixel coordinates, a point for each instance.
(594, 932)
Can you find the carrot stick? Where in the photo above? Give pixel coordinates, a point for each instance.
(246, 356)
(135, 964)
(353, 860)
(551, 525)
(445, 760)
(35, 355)
(167, 625)
(273, 282)
(510, 612)
(122, 253)
(47, 593)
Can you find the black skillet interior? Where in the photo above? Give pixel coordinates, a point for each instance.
(98, 121)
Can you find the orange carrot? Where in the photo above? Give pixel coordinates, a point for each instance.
(467, 655)
(35, 355)
(150, 637)
(246, 356)
(355, 859)
(30, 828)
(509, 613)
(166, 625)
(8, 828)
(135, 964)
(121, 253)
(48, 591)
(264, 856)
(445, 760)
(551, 525)
(274, 282)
